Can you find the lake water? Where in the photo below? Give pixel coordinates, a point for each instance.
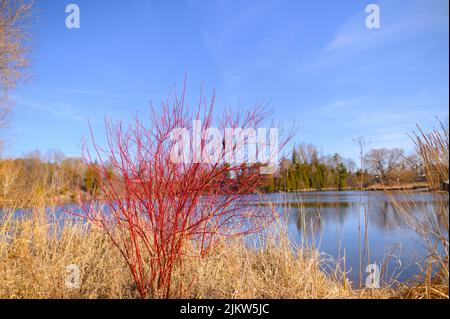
(334, 223)
(330, 221)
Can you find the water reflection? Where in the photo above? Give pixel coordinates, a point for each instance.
(366, 226)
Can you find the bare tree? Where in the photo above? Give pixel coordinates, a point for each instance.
(384, 162)
(14, 41)
(308, 153)
(14, 48)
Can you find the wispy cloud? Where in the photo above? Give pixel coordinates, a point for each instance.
(338, 105)
(399, 21)
(64, 111)
(384, 120)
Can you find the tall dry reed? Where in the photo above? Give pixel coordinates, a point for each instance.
(432, 222)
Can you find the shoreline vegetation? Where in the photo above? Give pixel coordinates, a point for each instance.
(63, 180)
(34, 257)
(74, 198)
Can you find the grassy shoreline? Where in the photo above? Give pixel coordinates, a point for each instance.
(33, 263)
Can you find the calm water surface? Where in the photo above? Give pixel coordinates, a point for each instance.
(330, 221)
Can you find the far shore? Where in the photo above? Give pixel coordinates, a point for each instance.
(374, 187)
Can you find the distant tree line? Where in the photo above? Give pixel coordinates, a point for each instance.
(55, 175)
(45, 176)
(307, 169)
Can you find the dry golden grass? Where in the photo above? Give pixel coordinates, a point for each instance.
(33, 264)
(33, 261)
(433, 149)
(274, 271)
(34, 257)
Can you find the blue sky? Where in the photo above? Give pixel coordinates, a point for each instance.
(315, 61)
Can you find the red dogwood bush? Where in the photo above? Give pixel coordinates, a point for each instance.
(155, 194)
